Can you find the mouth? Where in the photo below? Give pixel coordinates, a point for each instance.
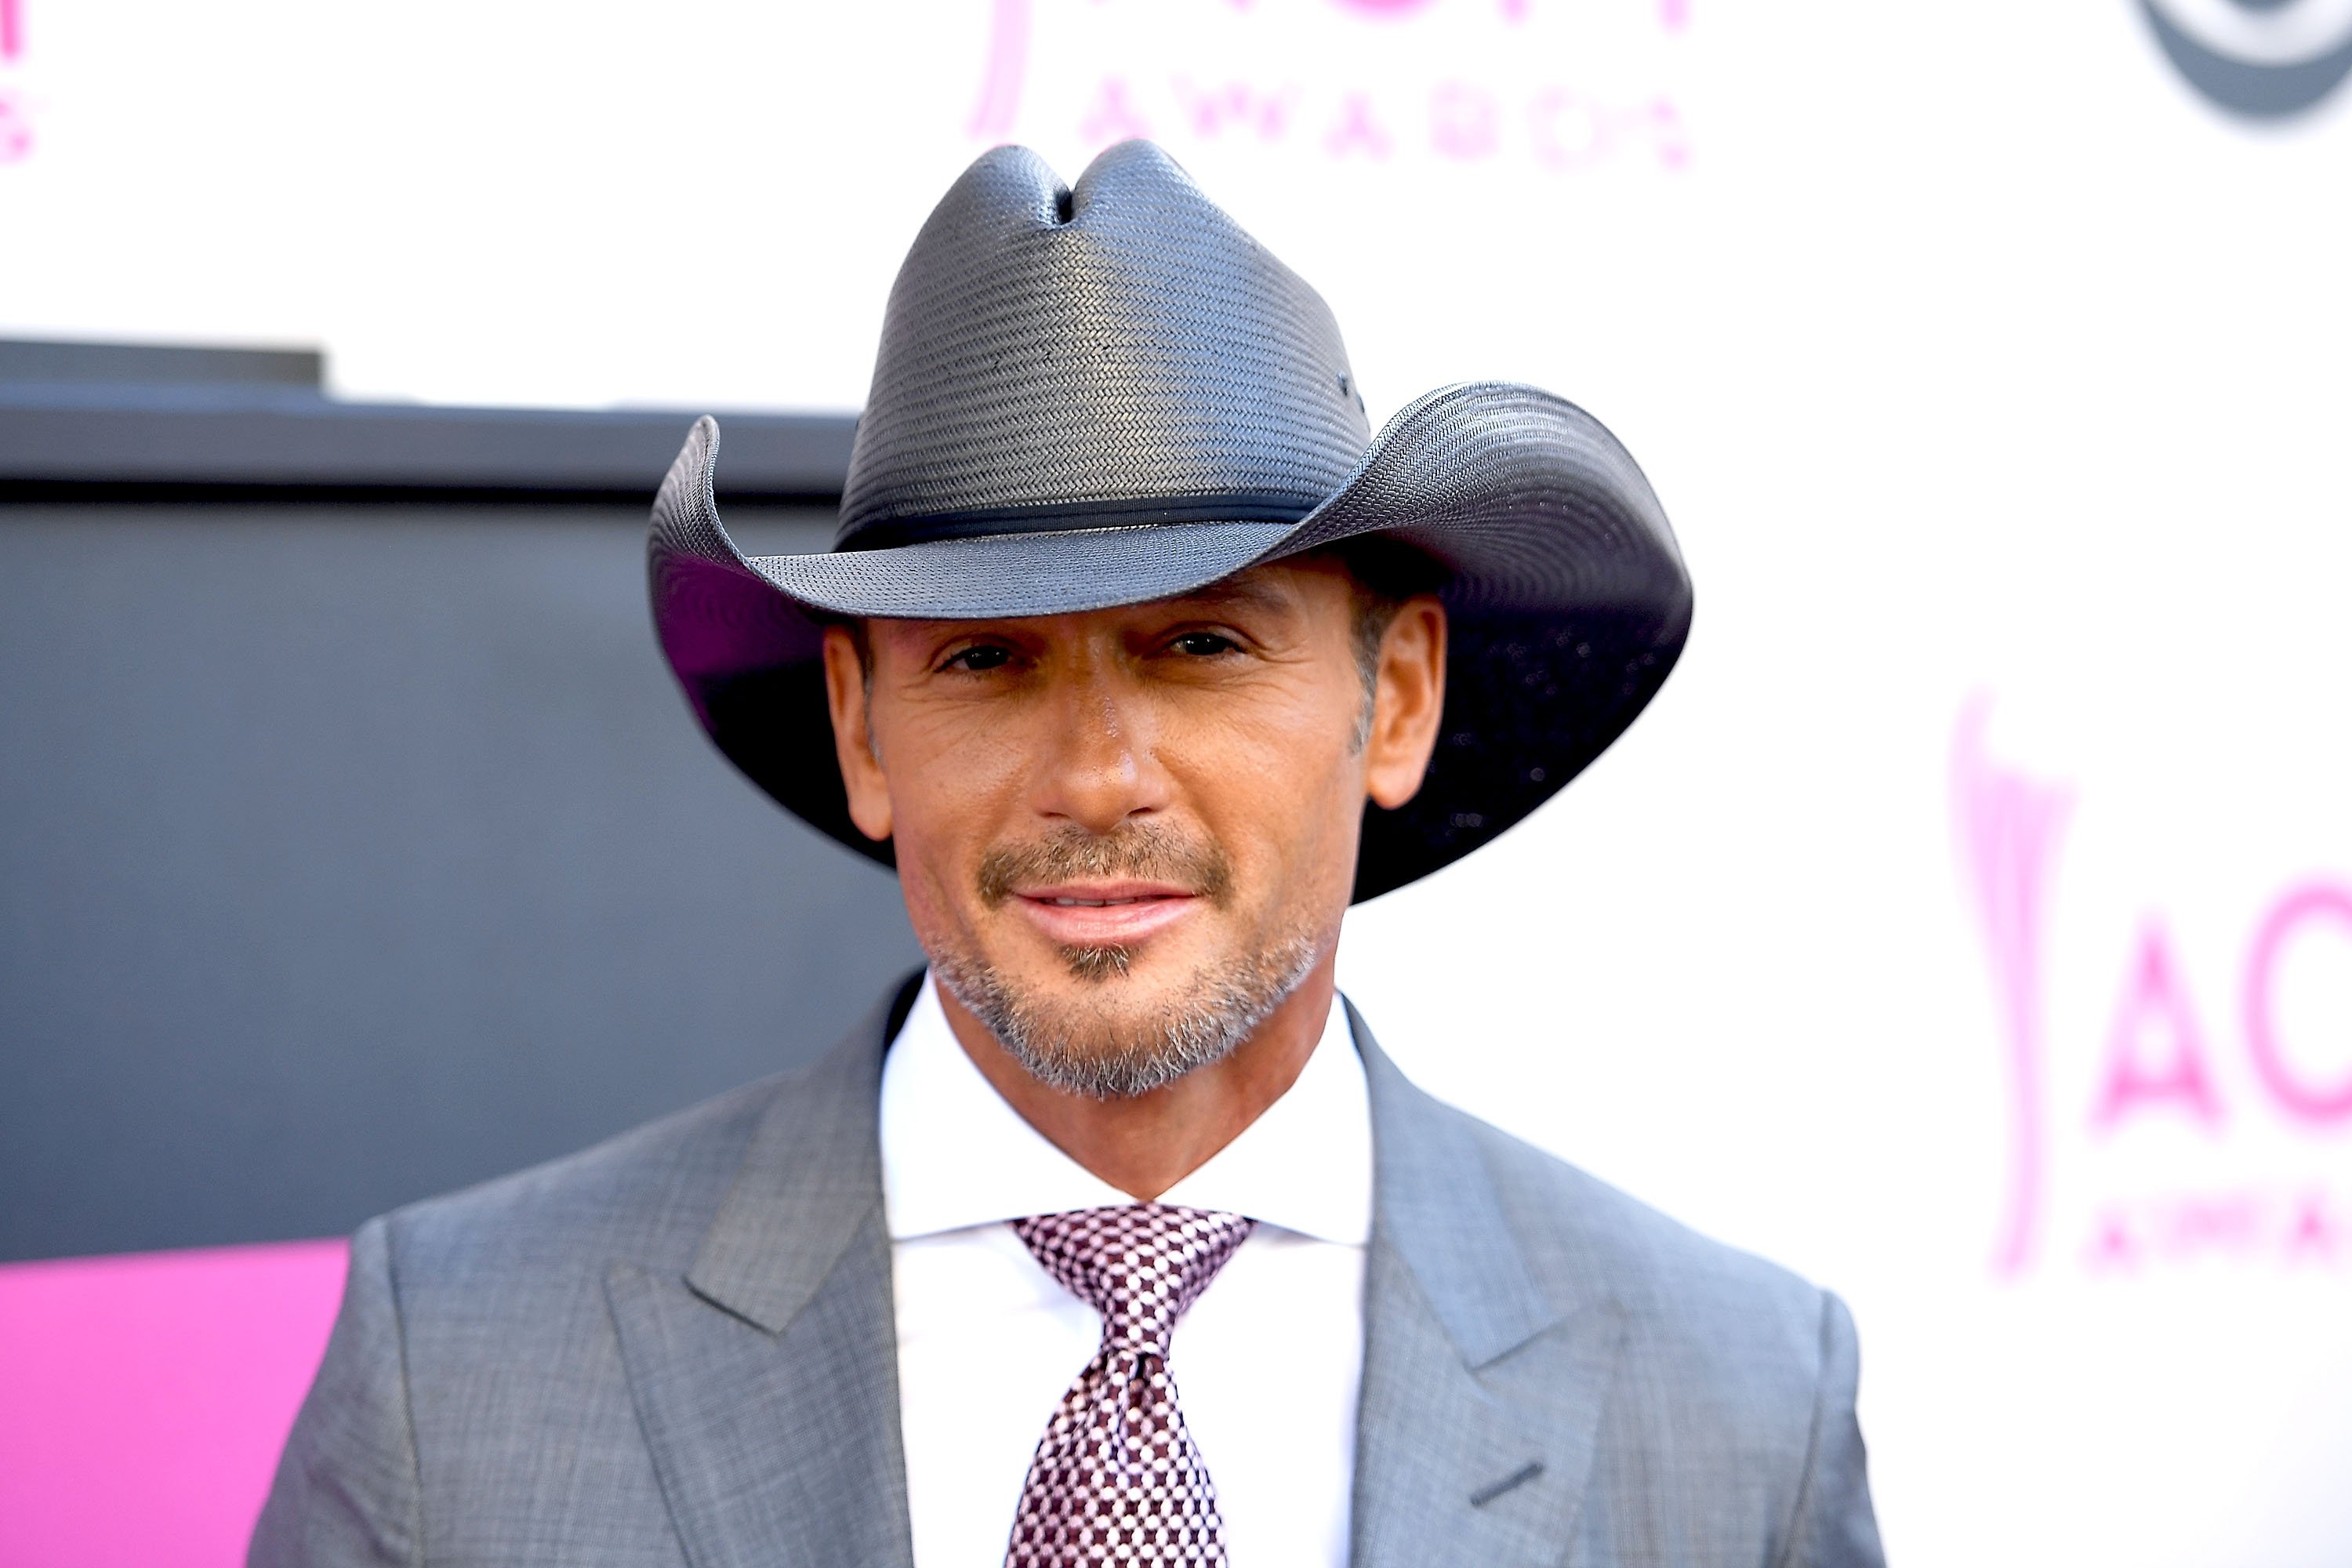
(1103, 914)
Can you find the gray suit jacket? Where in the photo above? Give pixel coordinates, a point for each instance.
(676, 1349)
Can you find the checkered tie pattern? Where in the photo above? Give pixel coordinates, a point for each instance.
(1116, 1478)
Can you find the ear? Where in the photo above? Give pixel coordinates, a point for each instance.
(846, 693)
(1408, 697)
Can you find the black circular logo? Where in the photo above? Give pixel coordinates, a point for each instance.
(2263, 59)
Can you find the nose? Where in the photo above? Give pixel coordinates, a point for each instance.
(1099, 767)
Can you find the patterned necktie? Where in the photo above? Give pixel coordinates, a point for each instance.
(1116, 1478)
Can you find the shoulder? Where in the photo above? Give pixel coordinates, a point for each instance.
(1732, 1369)
(1735, 1331)
(646, 1195)
(473, 1322)
(1658, 1263)
(1583, 1242)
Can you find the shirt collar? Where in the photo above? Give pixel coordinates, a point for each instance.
(955, 1154)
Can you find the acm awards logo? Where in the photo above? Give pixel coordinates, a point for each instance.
(2247, 1090)
(15, 121)
(1560, 88)
(2260, 60)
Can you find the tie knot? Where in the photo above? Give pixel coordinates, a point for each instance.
(1140, 1264)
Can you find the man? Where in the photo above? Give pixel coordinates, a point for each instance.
(1114, 1237)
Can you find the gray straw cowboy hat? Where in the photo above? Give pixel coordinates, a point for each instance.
(1104, 393)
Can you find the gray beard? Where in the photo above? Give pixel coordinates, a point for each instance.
(1066, 1044)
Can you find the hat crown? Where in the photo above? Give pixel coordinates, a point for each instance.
(1117, 352)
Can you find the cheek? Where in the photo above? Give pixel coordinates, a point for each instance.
(949, 780)
(937, 863)
(1281, 787)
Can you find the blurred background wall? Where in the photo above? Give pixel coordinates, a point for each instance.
(1970, 923)
(350, 857)
(349, 854)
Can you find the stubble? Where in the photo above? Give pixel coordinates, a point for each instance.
(1078, 1040)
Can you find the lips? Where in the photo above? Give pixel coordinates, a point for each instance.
(1103, 914)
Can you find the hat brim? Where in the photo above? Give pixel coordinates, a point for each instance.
(1567, 598)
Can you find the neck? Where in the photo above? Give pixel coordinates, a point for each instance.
(1145, 1144)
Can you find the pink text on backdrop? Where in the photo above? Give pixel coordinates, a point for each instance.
(2008, 825)
(15, 118)
(2302, 912)
(2159, 1056)
(2296, 1224)
(16, 128)
(1560, 127)
(1557, 127)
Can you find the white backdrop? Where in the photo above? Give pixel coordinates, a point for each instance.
(1968, 924)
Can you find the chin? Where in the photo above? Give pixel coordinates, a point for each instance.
(1112, 1022)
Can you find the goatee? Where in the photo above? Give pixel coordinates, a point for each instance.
(1074, 1042)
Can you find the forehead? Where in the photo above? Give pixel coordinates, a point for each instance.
(1300, 591)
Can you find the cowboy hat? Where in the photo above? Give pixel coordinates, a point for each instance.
(1107, 394)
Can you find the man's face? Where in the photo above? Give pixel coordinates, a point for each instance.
(1126, 836)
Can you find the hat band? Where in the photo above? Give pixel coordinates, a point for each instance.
(1066, 517)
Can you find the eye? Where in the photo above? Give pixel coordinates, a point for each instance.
(978, 658)
(1205, 645)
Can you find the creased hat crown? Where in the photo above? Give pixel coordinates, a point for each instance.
(1116, 352)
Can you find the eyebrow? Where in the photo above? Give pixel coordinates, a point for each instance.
(1258, 593)
(1232, 592)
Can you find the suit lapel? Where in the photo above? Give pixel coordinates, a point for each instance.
(766, 1381)
(1482, 1382)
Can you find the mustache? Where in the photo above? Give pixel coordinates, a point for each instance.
(1145, 851)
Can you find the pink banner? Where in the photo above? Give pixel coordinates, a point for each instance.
(143, 1399)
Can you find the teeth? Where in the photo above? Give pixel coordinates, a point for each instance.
(1091, 903)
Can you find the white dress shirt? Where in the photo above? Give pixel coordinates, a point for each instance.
(1266, 1362)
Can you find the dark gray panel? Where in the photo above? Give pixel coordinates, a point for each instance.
(347, 854)
(70, 431)
(48, 359)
